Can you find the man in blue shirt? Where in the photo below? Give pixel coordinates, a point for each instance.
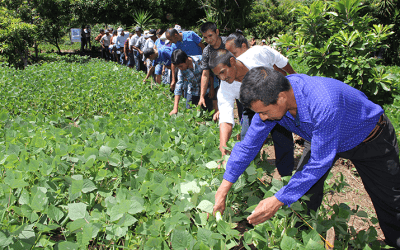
(339, 121)
(188, 41)
(161, 56)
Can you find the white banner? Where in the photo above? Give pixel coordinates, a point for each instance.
(76, 35)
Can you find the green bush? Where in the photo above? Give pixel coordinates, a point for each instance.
(15, 39)
(336, 41)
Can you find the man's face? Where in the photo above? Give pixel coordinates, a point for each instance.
(182, 66)
(138, 33)
(272, 112)
(173, 39)
(122, 33)
(225, 73)
(211, 37)
(230, 46)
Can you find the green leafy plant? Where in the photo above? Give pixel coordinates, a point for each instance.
(335, 40)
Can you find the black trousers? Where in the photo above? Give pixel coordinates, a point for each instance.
(196, 99)
(377, 162)
(105, 53)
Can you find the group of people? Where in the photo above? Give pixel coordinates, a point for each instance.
(335, 119)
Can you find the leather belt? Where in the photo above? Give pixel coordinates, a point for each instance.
(376, 131)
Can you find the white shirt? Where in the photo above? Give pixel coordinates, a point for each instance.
(121, 39)
(106, 40)
(256, 56)
(148, 44)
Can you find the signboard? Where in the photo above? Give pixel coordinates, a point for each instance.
(76, 35)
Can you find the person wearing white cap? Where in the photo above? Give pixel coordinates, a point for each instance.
(263, 42)
(121, 38)
(105, 42)
(150, 43)
(139, 46)
(132, 43)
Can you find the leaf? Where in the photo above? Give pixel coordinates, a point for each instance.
(76, 211)
(212, 165)
(67, 245)
(88, 186)
(180, 239)
(104, 153)
(39, 200)
(191, 186)
(287, 243)
(55, 213)
(3, 115)
(206, 206)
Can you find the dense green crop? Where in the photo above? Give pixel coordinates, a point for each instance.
(90, 158)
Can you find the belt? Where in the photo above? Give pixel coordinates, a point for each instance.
(376, 131)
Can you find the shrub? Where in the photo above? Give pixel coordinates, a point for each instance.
(15, 39)
(336, 41)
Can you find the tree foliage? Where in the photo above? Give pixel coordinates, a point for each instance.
(337, 41)
(228, 15)
(16, 37)
(269, 18)
(55, 17)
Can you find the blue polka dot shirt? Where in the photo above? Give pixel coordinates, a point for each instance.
(333, 116)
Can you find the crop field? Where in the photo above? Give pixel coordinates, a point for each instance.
(90, 159)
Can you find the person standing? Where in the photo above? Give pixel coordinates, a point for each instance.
(83, 38)
(214, 42)
(105, 42)
(87, 31)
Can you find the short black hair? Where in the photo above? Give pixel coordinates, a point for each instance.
(171, 32)
(101, 30)
(220, 56)
(238, 39)
(262, 84)
(160, 31)
(148, 52)
(208, 26)
(178, 57)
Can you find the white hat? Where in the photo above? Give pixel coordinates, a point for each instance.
(178, 28)
(164, 38)
(263, 40)
(119, 30)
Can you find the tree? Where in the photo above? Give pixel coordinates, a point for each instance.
(269, 18)
(54, 19)
(228, 15)
(16, 37)
(336, 40)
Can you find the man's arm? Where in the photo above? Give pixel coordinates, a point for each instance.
(225, 132)
(173, 80)
(280, 70)
(151, 71)
(178, 93)
(205, 77)
(176, 105)
(288, 68)
(202, 46)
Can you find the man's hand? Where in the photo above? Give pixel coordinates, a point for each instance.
(202, 101)
(264, 210)
(216, 116)
(126, 58)
(173, 112)
(220, 196)
(211, 93)
(172, 86)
